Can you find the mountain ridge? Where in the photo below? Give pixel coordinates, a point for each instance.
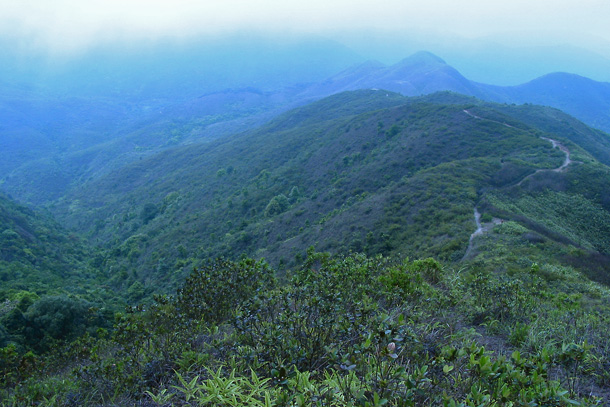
(425, 73)
(327, 174)
(137, 131)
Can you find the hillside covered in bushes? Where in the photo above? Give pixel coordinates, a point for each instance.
(367, 249)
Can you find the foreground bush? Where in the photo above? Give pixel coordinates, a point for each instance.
(342, 331)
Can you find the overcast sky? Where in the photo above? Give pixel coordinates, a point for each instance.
(70, 25)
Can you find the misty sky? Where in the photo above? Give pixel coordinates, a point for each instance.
(68, 25)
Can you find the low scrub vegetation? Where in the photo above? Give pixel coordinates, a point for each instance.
(337, 331)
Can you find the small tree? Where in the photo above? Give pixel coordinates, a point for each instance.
(277, 205)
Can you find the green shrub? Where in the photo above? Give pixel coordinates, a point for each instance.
(212, 292)
(56, 318)
(412, 279)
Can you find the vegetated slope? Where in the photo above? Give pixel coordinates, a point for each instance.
(57, 138)
(544, 118)
(42, 132)
(365, 171)
(49, 281)
(370, 171)
(49, 144)
(340, 331)
(35, 251)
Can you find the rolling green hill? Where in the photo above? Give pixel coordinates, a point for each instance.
(54, 141)
(586, 99)
(367, 171)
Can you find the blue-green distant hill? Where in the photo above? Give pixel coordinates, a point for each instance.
(424, 73)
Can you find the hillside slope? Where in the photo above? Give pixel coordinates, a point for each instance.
(35, 251)
(508, 198)
(366, 171)
(51, 287)
(54, 142)
(122, 103)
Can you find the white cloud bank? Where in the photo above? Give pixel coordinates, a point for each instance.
(75, 24)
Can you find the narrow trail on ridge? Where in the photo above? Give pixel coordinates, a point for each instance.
(487, 120)
(479, 231)
(482, 228)
(562, 167)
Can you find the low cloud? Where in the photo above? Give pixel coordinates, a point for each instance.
(70, 25)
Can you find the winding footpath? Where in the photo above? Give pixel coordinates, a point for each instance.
(565, 150)
(479, 231)
(482, 228)
(562, 167)
(487, 120)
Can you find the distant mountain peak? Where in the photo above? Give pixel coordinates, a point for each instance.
(422, 57)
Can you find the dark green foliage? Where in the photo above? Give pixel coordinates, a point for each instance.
(35, 249)
(277, 205)
(49, 321)
(328, 304)
(59, 317)
(150, 342)
(15, 367)
(583, 222)
(342, 331)
(213, 291)
(4, 336)
(510, 174)
(412, 280)
(135, 292)
(148, 213)
(49, 290)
